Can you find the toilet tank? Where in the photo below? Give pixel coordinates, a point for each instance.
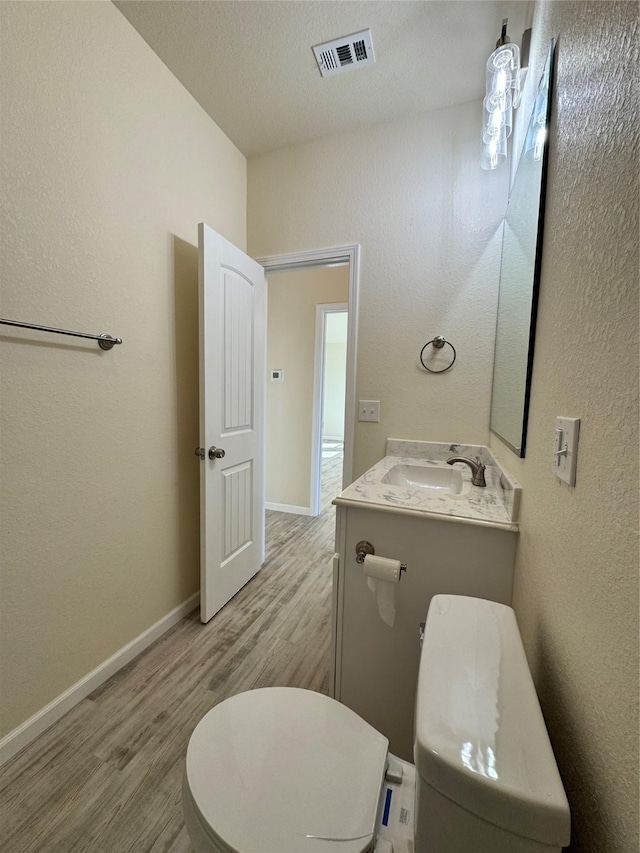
(487, 780)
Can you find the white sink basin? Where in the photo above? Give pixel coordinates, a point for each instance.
(445, 480)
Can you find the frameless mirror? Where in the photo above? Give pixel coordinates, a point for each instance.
(520, 276)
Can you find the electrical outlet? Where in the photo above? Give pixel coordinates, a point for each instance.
(369, 410)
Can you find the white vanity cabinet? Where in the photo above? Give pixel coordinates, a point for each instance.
(375, 667)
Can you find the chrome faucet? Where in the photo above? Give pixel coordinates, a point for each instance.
(477, 469)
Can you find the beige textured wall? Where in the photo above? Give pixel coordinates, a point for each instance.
(427, 218)
(291, 338)
(107, 167)
(576, 588)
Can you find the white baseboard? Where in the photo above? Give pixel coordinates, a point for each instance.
(296, 510)
(45, 717)
(333, 438)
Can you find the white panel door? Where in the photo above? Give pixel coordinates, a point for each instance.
(232, 388)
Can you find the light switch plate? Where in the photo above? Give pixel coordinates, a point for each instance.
(565, 449)
(369, 410)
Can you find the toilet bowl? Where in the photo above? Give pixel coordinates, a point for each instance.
(285, 770)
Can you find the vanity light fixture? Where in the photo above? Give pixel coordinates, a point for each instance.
(504, 81)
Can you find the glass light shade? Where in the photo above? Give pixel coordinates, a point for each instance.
(498, 114)
(507, 56)
(498, 101)
(499, 81)
(494, 152)
(503, 67)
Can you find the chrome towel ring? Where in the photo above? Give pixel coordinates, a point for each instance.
(438, 342)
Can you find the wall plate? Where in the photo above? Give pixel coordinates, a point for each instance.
(565, 449)
(369, 410)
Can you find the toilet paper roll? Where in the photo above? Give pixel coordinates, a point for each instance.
(382, 568)
(382, 575)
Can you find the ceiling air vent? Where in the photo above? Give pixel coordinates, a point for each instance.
(344, 54)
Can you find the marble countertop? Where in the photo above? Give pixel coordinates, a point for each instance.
(496, 505)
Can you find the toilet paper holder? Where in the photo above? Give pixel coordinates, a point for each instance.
(363, 548)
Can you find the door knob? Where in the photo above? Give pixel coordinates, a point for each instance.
(216, 453)
(200, 452)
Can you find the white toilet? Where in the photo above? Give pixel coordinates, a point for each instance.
(283, 770)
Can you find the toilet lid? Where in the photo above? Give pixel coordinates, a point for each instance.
(284, 770)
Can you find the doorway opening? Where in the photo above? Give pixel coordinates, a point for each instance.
(330, 372)
(312, 302)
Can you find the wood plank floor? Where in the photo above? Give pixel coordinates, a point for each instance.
(107, 777)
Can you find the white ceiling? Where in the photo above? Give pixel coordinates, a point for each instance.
(250, 65)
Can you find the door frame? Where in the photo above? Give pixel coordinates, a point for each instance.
(322, 310)
(349, 254)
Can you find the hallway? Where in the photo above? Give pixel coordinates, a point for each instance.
(107, 777)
